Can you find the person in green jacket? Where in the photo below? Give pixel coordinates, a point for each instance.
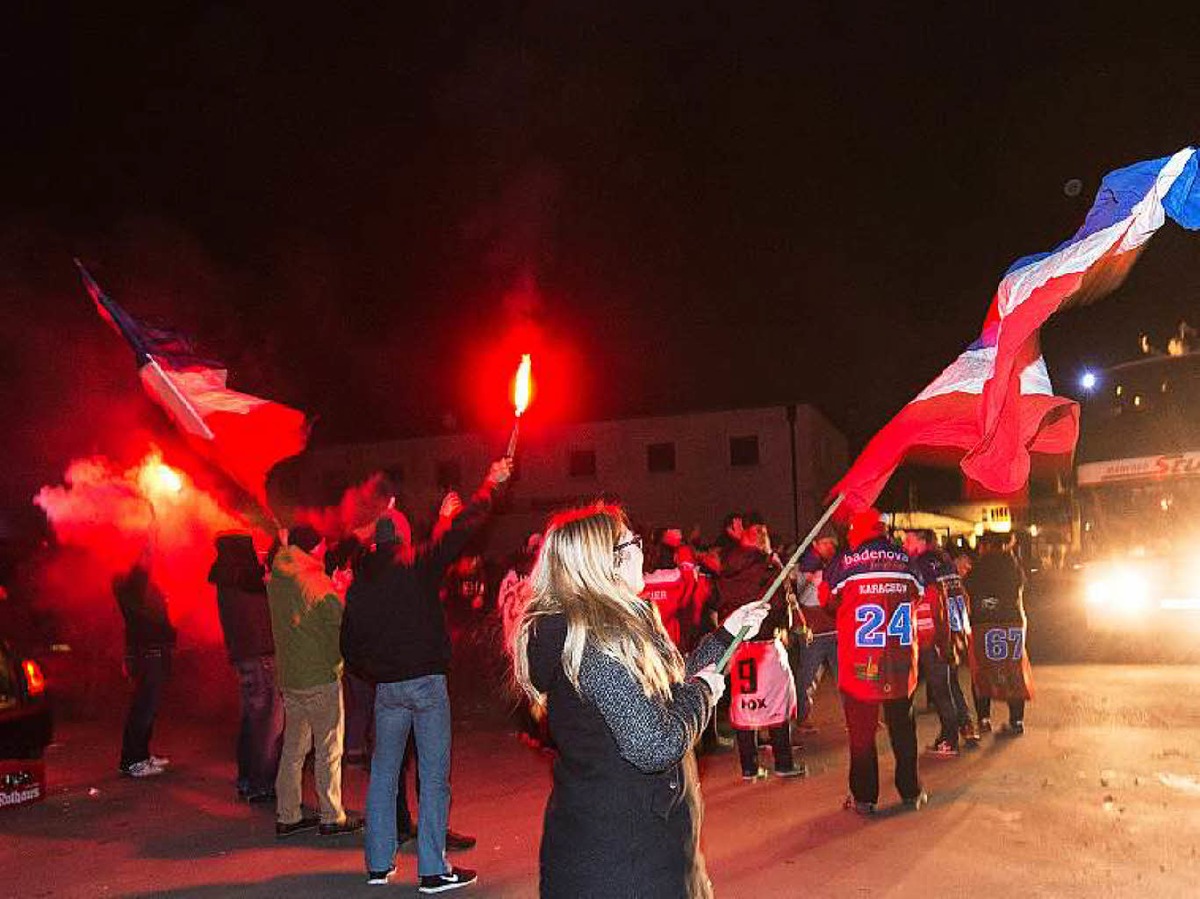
(306, 623)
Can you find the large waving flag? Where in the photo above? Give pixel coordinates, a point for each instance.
(995, 401)
(243, 435)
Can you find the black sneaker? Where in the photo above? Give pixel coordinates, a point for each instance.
(794, 771)
(451, 880)
(943, 749)
(376, 878)
(458, 842)
(918, 802)
(286, 830)
(1014, 729)
(864, 809)
(985, 725)
(350, 824)
(760, 774)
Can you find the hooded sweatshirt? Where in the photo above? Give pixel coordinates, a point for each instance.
(241, 598)
(306, 621)
(395, 628)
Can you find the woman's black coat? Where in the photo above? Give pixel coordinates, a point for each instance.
(623, 819)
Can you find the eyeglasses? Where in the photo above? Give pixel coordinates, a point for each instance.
(635, 540)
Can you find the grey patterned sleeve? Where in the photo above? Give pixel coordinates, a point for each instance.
(709, 650)
(651, 735)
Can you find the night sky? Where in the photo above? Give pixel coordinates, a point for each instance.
(368, 211)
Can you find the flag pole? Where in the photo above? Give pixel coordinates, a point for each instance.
(723, 663)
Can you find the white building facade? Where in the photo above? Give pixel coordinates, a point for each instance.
(669, 471)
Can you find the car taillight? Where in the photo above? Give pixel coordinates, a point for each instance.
(35, 681)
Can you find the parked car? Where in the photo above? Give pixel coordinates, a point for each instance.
(26, 724)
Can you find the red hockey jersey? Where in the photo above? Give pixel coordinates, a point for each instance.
(873, 590)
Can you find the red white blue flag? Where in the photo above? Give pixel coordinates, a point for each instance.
(243, 435)
(995, 402)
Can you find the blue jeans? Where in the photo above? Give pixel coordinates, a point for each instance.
(821, 651)
(421, 705)
(260, 737)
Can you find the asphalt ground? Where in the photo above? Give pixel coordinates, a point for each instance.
(1101, 797)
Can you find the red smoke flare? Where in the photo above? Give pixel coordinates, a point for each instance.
(102, 519)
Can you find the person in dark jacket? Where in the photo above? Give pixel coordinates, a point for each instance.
(624, 709)
(1000, 666)
(935, 638)
(149, 645)
(245, 617)
(394, 634)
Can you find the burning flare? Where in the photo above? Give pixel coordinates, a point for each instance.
(156, 478)
(521, 391)
(521, 387)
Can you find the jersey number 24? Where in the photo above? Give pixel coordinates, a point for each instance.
(871, 633)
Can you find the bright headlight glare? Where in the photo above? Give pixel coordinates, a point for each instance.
(1099, 590)
(1121, 589)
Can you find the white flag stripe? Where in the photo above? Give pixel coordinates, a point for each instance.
(1135, 229)
(971, 370)
(207, 392)
(974, 368)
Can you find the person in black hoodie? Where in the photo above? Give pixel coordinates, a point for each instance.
(245, 617)
(149, 645)
(394, 635)
(624, 709)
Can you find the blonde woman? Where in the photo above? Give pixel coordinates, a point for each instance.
(624, 709)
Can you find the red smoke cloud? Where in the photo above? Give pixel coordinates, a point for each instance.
(102, 517)
(356, 513)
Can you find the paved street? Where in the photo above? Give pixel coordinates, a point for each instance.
(1100, 798)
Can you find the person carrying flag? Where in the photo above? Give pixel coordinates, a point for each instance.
(872, 588)
(763, 690)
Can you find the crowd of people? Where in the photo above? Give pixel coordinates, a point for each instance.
(630, 648)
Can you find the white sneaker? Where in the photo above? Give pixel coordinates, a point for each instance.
(145, 768)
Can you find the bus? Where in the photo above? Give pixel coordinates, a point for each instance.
(1137, 481)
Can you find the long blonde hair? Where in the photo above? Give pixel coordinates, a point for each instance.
(576, 576)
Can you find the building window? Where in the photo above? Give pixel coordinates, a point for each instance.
(449, 473)
(660, 457)
(582, 464)
(743, 451)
